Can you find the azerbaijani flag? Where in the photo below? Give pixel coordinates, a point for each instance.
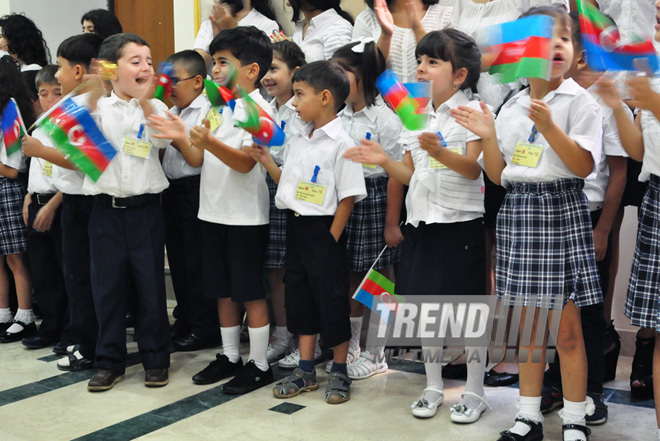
(407, 106)
(76, 134)
(164, 87)
(523, 48)
(259, 124)
(218, 95)
(374, 288)
(602, 43)
(13, 127)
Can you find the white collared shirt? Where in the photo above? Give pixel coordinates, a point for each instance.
(595, 189)
(288, 116)
(402, 58)
(128, 175)
(326, 33)
(442, 195)
(341, 177)
(651, 134)
(383, 126)
(633, 18)
(573, 110)
(175, 165)
(16, 161)
(253, 18)
(228, 196)
(39, 181)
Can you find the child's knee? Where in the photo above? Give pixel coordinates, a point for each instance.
(569, 339)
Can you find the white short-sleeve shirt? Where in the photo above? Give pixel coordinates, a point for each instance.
(634, 18)
(574, 111)
(651, 133)
(326, 33)
(287, 117)
(17, 160)
(174, 164)
(128, 175)
(341, 177)
(228, 196)
(40, 181)
(253, 18)
(402, 58)
(383, 126)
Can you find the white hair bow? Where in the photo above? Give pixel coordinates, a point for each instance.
(359, 48)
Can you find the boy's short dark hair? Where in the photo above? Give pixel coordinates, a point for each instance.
(191, 61)
(46, 75)
(80, 49)
(113, 46)
(248, 44)
(322, 75)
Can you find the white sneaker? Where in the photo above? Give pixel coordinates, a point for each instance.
(278, 348)
(365, 366)
(351, 357)
(291, 361)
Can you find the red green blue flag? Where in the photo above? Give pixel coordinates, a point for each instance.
(77, 136)
(259, 124)
(409, 106)
(377, 288)
(13, 127)
(523, 48)
(165, 86)
(602, 43)
(218, 95)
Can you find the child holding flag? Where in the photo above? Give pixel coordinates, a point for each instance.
(443, 250)
(13, 240)
(544, 234)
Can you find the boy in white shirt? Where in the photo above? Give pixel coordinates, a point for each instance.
(319, 187)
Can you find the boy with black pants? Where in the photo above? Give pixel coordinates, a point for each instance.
(319, 187)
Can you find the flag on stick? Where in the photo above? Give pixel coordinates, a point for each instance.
(407, 106)
(13, 127)
(165, 86)
(259, 124)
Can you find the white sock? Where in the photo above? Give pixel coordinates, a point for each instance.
(5, 315)
(657, 435)
(22, 315)
(356, 329)
(231, 342)
(574, 412)
(529, 408)
(378, 352)
(433, 373)
(259, 346)
(475, 376)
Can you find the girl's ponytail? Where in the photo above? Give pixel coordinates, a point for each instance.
(366, 62)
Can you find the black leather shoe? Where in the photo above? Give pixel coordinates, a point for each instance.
(583, 429)
(218, 369)
(156, 377)
(454, 371)
(37, 342)
(60, 348)
(178, 330)
(104, 379)
(535, 434)
(28, 331)
(4, 326)
(195, 340)
(500, 378)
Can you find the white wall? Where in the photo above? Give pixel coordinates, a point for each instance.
(4, 7)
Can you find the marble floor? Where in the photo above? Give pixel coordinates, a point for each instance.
(38, 402)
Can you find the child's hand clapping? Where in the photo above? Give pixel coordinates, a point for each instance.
(643, 95)
(369, 152)
(481, 123)
(607, 91)
(172, 127)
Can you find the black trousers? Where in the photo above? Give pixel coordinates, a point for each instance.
(593, 330)
(183, 240)
(123, 241)
(45, 258)
(76, 212)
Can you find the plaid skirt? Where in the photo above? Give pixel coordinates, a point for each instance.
(545, 246)
(366, 228)
(642, 301)
(13, 232)
(276, 247)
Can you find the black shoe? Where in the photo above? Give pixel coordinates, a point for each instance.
(611, 350)
(178, 329)
(247, 379)
(74, 361)
(496, 379)
(104, 379)
(535, 434)
(583, 429)
(600, 414)
(38, 342)
(60, 348)
(156, 377)
(195, 340)
(454, 371)
(4, 326)
(642, 369)
(28, 331)
(218, 369)
(551, 399)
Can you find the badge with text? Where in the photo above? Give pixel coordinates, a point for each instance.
(214, 119)
(310, 192)
(136, 147)
(47, 170)
(527, 154)
(436, 165)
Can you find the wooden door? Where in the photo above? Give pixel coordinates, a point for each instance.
(153, 20)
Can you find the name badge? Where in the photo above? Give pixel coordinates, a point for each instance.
(214, 119)
(527, 154)
(136, 147)
(371, 166)
(47, 169)
(310, 192)
(436, 165)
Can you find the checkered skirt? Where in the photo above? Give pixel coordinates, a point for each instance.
(643, 299)
(545, 246)
(365, 229)
(13, 232)
(276, 247)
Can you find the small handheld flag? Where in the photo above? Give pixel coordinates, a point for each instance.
(13, 127)
(523, 48)
(77, 136)
(218, 95)
(259, 124)
(107, 69)
(602, 43)
(165, 86)
(406, 105)
(375, 288)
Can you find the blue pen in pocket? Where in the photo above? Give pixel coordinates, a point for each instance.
(140, 131)
(532, 136)
(368, 136)
(317, 169)
(441, 139)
